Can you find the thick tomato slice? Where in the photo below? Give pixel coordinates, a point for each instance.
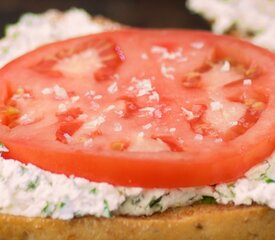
(141, 108)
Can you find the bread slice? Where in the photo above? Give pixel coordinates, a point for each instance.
(186, 223)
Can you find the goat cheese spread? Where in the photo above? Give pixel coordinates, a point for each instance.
(254, 19)
(29, 191)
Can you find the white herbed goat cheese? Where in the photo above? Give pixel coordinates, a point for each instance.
(29, 191)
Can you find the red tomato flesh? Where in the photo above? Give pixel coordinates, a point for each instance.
(147, 108)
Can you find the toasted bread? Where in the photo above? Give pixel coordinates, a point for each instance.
(193, 222)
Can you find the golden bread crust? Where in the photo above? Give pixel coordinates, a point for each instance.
(194, 222)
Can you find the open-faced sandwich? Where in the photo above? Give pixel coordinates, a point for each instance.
(134, 134)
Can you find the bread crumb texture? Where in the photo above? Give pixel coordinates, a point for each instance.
(194, 222)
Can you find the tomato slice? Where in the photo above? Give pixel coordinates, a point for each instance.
(148, 108)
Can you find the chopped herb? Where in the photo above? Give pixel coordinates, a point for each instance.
(32, 185)
(231, 189)
(23, 170)
(5, 50)
(48, 209)
(264, 177)
(208, 200)
(60, 205)
(254, 33)
(93, 190)
(269, 180)
(15, 35)
(135, 201)
(106, 211)
(6, 29)
(155, 202)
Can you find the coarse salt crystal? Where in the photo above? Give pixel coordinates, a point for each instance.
(226, 66)
(116, 76)
(117, 127)
(68, 138)
(234, 123)
(112, 88)
(197, 45)
(82, 117)
(25, 119)
(62, 107)
(94, 106)
(143, 87)
(74, 99)
(60, 93)
(188, 114)
(109, 108)
(47, 91)
(94, 123)
(154, 96)
(141, 134)
(90, 93)
(198, 137)
(144, 56)
(97, 97)
(247, 82)
(216, 106)
(172, 130)
(147, 126)
(88, 142)
(165, 54)
(157, 113)
(218, 140)
(120, 113)
(147, 109)
(167, 72)
(131, 88)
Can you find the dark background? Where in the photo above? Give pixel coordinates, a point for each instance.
(140, 13)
